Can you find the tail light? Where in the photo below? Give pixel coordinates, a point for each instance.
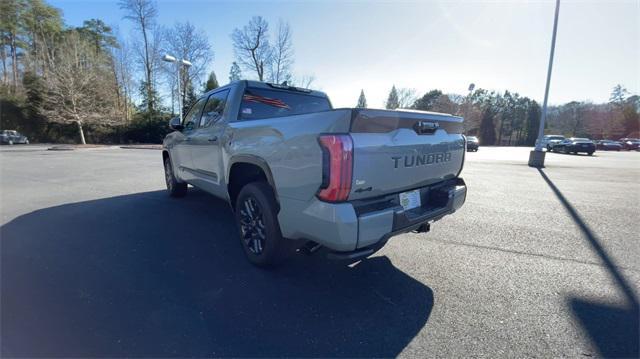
(337, 166)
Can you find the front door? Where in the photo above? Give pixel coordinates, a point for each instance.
(181, 151)
(205, 144)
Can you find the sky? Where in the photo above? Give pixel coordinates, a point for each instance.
(424, 45)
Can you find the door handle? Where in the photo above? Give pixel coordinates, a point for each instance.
(424, 127)
(213, 139)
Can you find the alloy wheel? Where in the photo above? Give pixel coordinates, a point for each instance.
(252, 226)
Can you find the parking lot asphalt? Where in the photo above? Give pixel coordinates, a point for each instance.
(96, 260)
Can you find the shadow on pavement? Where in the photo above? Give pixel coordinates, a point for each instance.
(613, 330)
(146, 275)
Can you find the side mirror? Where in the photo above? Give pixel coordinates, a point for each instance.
(175, 124)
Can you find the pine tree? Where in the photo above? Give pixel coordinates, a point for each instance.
(362, 101)
(212, 82)
(235, 74)
(392, 100)
(428, 101)
(487, 126)
(618, 95)
(190, 98)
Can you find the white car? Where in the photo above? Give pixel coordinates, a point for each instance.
(548, 141)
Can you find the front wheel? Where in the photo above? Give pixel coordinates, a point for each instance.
(256, 217)
(590, 153)
(174, 188)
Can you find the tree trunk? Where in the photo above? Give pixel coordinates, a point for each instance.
(81, 132)
(148, 71)
(14, 62)
(3, 54)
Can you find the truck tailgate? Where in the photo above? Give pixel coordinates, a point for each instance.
(394, 151)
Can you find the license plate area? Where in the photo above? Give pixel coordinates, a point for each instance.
(410, 200)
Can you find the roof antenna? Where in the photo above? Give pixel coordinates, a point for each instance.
(284, 83)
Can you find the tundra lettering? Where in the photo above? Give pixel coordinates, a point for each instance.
(302, 175)
(422, 160)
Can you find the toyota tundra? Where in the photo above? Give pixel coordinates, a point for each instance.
(299, 174)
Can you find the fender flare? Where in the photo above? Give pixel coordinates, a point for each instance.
(258, 161)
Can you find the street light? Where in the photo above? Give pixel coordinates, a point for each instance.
(536, 157)
(185, 63)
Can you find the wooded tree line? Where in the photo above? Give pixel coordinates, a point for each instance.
(59, 81)
(511, 119)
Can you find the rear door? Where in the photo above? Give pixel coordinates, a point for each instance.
(205, 144)
(396, 151)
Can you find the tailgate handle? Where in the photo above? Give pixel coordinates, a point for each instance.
(424, 127)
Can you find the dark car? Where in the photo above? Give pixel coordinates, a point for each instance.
(10, 137)
(608, 145)
(472, 143)
(575, 145)
(630, 143)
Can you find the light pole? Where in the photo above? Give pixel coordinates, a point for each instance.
(185, 63)
(536, 157)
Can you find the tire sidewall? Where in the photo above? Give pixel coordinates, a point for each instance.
(174, 188)
(273, 251)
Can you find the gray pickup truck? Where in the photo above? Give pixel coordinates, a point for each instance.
(299, 174)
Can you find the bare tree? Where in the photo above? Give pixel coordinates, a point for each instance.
(185, 42)
(78, 85)
(143, 14)
(251, 46)
(122, 60)
(304, 81)
(281, 55)
(406, 97)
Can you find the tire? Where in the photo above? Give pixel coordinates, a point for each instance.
(257, 221)
(590, 153)
(549, 149)
(174, 188)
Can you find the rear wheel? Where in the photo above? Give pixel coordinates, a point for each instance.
(256, 217)
(590, 153)
(174, 188)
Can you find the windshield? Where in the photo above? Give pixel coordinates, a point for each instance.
(261, 103)
(472, 138)
(555, 138)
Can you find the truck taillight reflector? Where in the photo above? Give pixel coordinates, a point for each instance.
(337, 167)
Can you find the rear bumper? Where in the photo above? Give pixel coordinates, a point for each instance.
(361, 227)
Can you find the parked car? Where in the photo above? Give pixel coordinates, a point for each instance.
(630, 143)
(300, 174)
(548, 141)
(472, 143)
(575, 145)
(608, 145)
(12, 137)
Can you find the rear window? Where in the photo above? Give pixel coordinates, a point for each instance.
(261, 103)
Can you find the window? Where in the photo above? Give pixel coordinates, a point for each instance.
(190, 121)
(261, 103)
(214, 108)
